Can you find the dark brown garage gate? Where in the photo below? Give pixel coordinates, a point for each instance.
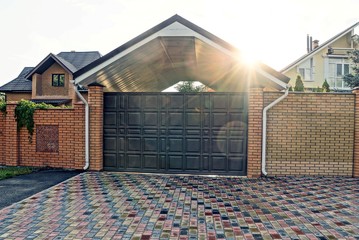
(203, 133)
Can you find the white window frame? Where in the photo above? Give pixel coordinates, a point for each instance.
(306, 70)
(336, 81)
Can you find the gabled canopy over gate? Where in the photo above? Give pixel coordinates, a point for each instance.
(145, 130)
(177, 50)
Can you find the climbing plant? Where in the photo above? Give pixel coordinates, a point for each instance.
(3, 107)
(24, 115)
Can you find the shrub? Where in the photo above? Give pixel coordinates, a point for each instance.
(299, 86)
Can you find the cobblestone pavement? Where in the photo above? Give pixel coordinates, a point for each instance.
(136, 206)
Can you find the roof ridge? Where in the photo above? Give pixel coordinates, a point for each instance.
(65, 62)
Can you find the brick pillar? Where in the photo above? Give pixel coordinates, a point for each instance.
(11, 136)
(255, 108)
(79, 137)
(95, 100)
(356, 135)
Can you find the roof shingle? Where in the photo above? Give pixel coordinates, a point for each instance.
(79, 59)
(19, 84)
(73, 61)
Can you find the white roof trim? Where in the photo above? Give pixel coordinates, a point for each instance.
(174, 29)
(290, 66)
(272, 78)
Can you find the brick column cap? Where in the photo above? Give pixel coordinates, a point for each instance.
(95, 84)
(11, 102)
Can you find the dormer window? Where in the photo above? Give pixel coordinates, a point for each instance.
(58, 80)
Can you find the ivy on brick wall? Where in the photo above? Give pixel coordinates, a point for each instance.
(3, 107)
(24, 115)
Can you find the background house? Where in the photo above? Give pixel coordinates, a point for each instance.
(49, 81)
(325, 61)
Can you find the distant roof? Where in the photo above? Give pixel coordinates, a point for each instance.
(19, 84)
(72, 61)
(79, 59)
(320, 47)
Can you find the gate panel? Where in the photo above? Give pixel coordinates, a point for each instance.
(204, 133)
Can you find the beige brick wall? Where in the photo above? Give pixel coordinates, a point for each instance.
(356, 144)
(310, 134)
(255, 107)
(2, 139)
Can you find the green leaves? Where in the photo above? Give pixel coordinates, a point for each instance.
(189, 86)
(352, 79)
(24, 115)
(325, 86)
(3, 107)
(299, 86)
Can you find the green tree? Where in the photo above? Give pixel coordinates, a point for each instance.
(188, 86)
(2, 97)
(352, 79)
(299, 87)
(325, 86)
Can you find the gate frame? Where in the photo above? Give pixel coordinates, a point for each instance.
(254, 136)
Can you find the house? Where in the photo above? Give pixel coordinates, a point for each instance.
(128, 124)
(325, 61)
(173, 51)
(49, 81)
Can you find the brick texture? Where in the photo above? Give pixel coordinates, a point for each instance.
(17, 96)
(356, 143)
(310, 134)
(19, 151)
(2, 139)
(11, 136)
(95, 96)
(255, 107)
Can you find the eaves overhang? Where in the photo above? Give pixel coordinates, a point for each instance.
(47, 62)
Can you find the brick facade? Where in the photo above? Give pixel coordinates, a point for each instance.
(356, 144)
(45, 88)
(70, 123)
(2, 139)
(307, 134)
(95, 96)
(255, 107)
(10, 97)
(310, 134)
(11, 136)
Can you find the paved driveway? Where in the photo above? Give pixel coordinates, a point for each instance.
(124, 206)
(20, 187)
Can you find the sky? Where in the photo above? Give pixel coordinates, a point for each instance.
(273, 32)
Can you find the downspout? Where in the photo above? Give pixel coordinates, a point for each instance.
(264, 124)
(87, 129)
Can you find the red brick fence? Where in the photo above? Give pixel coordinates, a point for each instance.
(307, 134)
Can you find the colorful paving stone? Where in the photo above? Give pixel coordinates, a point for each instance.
(138, 206)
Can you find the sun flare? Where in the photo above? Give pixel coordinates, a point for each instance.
(249, 57)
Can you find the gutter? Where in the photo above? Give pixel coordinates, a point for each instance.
(264, 130)
(87, 129)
